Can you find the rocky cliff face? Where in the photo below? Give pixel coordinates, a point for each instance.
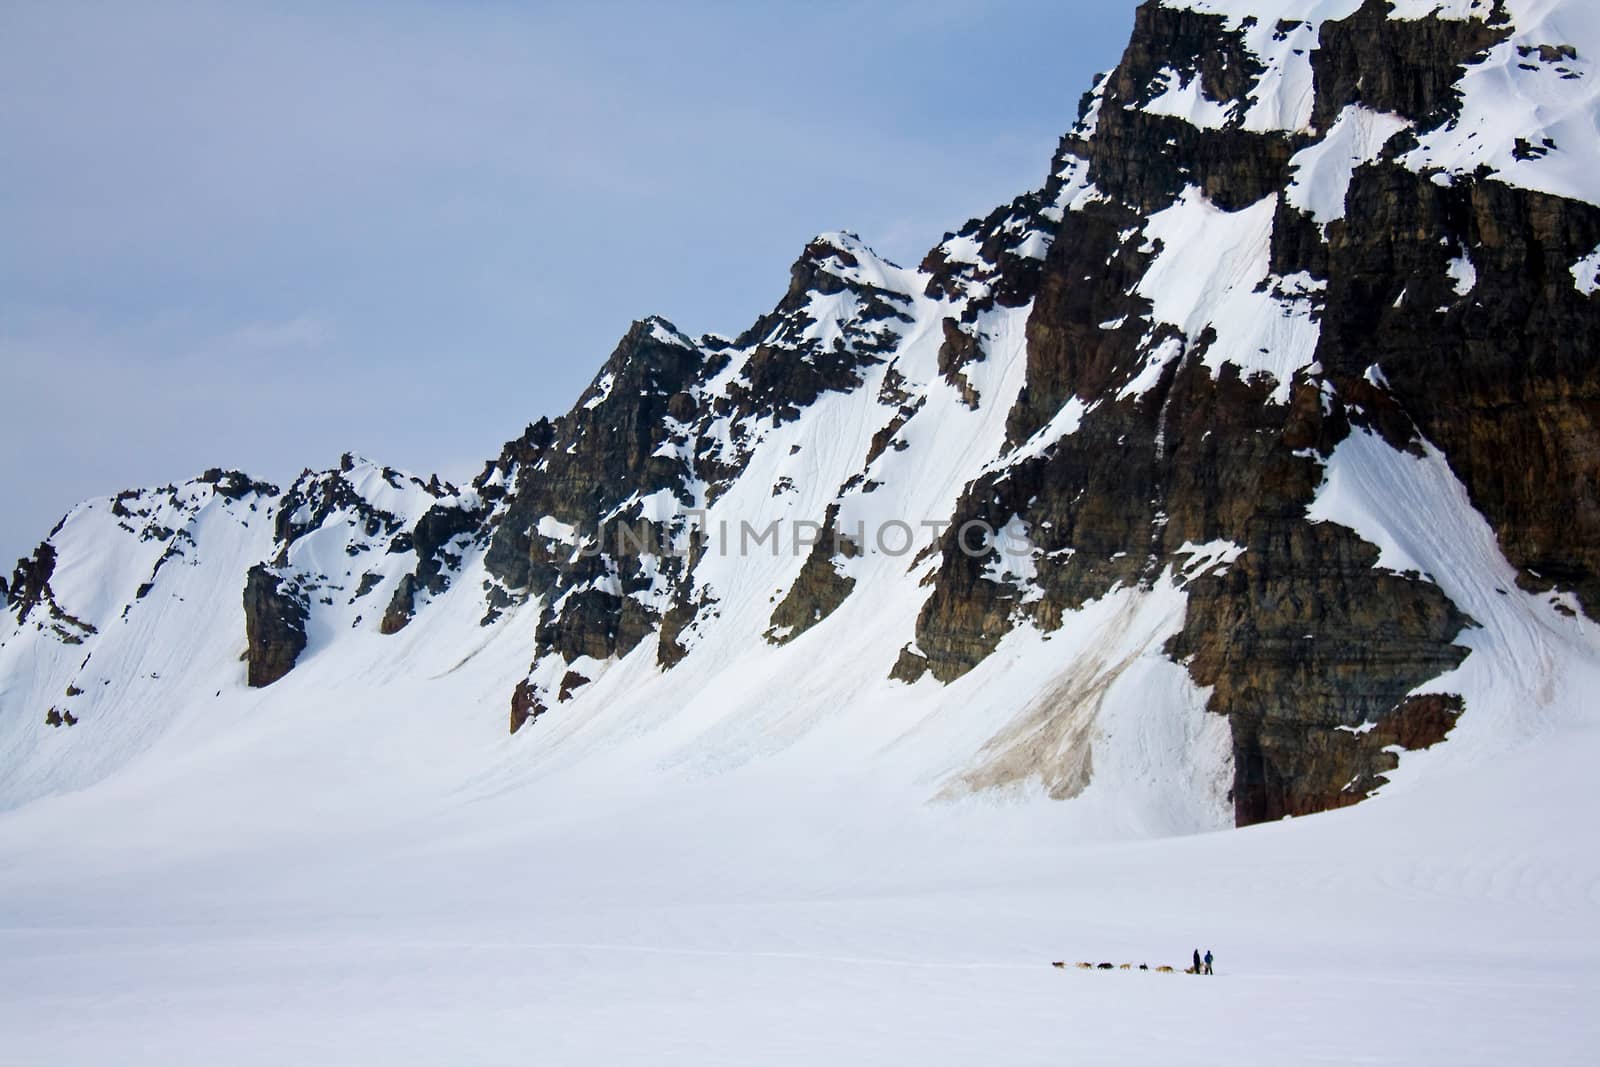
(274, 624)
(1273, 240)
(1301, 640)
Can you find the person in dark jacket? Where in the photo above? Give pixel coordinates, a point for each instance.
(1208, 961)
(1196, 961)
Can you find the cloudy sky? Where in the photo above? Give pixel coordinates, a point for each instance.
(257, 235)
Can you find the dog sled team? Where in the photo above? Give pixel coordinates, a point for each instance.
(1202, 965)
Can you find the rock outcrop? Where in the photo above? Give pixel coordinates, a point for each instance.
(275, 613)
(434, 540)
(30, 582)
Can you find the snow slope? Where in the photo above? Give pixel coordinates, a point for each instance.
(402, 908)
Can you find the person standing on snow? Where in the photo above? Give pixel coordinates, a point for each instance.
(1196, 961)
(1208, 961)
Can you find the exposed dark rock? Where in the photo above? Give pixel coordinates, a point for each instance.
(507, 558)
(786, 373)
(1507, 371)
(670, 652)
(275, 615)
(439, 526)
(1068, 352)
(571, 682)
(525, 705)
(598, 455)
(1005, 275)
(1407, 67)
(30, 596)
(1418, 722)
(886, 437)
(1303, 642)
(686, 607)
(959, 349)
(1203, 460)
(1188, 44)
(30, 582)
(682, 406)
(910, 666)
(498, 601)
(1309, 650)
(594, 623)
(820, 587)
(402, 605)
(1144, 160)
(236, 485)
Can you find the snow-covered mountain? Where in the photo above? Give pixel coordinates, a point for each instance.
(861, 665)
(1249, 454)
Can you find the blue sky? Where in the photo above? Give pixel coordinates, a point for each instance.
(259, 235)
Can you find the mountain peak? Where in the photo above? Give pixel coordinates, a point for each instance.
(833, 262)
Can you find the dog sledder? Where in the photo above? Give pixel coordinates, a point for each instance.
(1202, 965)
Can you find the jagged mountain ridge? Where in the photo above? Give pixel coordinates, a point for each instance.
(1288, 244)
